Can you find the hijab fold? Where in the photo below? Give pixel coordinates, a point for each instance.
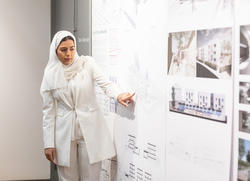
(56, 74)
(71, 70)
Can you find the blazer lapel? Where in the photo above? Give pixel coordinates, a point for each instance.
(66, 98)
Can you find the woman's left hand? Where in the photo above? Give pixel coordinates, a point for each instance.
(125, 98)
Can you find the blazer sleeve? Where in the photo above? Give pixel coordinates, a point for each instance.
(48, 119)
(110, 89)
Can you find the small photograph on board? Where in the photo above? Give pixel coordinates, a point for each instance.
(244, 160)
(244, 64)
(207, 105)
(244, 121)
(199, 11)
(214, 53)
(244, 92)
(181, 53)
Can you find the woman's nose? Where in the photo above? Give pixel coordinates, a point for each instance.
(67, 53)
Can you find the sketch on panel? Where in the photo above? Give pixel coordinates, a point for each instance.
(117, 23)
(214, 53)
(243, 11)
(244, 160)
(132, 145)
(129, 11)
(197, 5)
(136, 173)
(206, 105)
(199, 11)
(105, 10)
(181, 53)
(244, 121)
(244, 66)
(149, 150)
(244, 92)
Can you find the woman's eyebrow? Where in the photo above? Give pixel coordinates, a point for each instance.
(67, 47)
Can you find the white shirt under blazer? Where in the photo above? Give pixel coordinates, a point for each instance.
(59, 110)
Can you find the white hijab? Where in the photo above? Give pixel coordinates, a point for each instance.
(56, 75)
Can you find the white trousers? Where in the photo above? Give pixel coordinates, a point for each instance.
(80, 169)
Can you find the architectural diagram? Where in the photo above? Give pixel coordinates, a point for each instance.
(200, 104)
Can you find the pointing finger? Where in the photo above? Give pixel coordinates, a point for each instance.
(124, 104)
(129, 97)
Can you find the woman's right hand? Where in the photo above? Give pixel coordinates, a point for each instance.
(50, 154)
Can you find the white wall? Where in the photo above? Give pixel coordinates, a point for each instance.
(24, 45)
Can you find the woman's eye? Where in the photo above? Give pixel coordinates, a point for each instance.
(72, 49)
(63, 50)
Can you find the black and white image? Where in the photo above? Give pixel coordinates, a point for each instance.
(244, 160)
(181, 53)
(214, 53)
(244, 92)
(244, 64)
(244, 121)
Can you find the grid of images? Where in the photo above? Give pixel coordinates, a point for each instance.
(244, 99)
(202, 53)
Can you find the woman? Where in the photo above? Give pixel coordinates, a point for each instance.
(76, 137)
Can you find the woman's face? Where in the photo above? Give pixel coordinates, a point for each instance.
(66, 52)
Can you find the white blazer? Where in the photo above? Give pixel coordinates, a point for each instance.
(59, 110)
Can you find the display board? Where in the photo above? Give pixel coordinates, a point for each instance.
(125, 39)
(200, 95)
(187, 61)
